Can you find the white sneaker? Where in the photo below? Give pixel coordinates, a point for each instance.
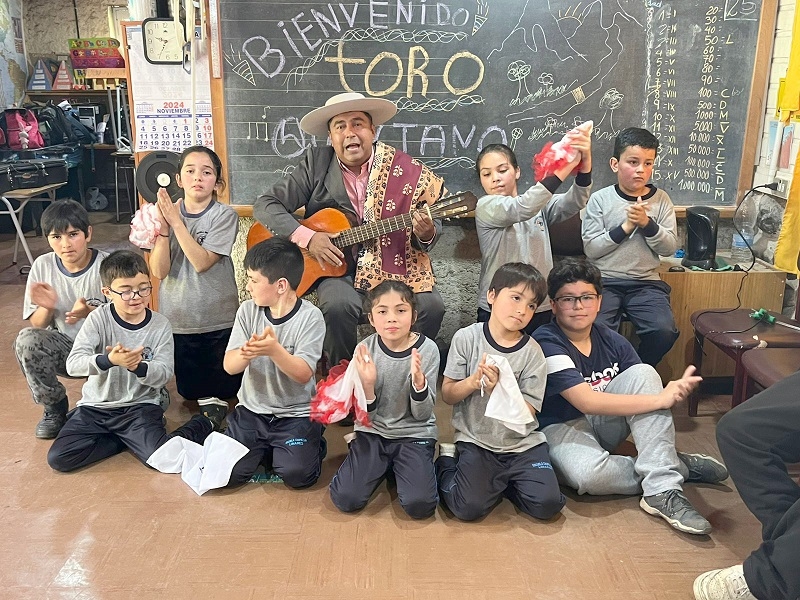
(722, 584)
(447, 449)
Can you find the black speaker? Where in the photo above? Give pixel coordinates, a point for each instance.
(156, 170)
(701, 237)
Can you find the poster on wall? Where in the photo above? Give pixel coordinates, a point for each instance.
(13, 68)
(162, 100)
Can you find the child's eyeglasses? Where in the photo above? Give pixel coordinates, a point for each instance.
(130, 294)
(572, 301)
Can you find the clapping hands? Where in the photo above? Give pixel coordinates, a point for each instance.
(260, 345)
(121, 356)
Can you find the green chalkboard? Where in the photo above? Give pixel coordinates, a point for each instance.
(466, 73)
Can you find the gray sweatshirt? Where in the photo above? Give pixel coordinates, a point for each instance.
(469, 416)
(633, 256)
(110, 386)
(514, 228)
(399, 411)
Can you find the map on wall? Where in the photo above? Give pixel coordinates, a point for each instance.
(13, 70)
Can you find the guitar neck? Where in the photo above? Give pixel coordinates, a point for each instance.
(368, 231)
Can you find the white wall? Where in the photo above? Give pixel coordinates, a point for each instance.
(780, 62)
(49, 24)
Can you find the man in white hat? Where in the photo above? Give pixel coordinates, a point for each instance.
(368, 181)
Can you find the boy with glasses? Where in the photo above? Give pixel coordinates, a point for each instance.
(126, 351)
(599, 392)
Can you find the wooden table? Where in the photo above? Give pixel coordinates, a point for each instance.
(45, 193)
(762, 287)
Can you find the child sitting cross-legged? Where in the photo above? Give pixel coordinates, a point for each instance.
(125, 349)
(599, 392)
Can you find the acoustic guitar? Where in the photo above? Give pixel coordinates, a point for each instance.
(330, 220)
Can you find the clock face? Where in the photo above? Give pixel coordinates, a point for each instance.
(163, 41)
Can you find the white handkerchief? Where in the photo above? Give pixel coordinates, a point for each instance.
(204, 467)
(506, 403)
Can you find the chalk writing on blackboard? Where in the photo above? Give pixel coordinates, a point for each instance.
(466, 73)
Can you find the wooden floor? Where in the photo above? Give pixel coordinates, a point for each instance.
(120, 530)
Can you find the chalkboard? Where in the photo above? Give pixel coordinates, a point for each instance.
(467, 73)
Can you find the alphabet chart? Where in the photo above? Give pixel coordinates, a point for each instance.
(162, 100)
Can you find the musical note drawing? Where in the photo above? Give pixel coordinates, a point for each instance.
(264, 113)
(255, 125)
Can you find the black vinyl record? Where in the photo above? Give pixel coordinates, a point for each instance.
(156, 170)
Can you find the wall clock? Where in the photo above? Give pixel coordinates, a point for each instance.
(163, 41)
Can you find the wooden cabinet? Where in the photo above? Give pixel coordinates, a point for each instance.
(762, 287)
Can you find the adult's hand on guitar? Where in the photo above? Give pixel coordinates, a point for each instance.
(422, 226)
(321, 248)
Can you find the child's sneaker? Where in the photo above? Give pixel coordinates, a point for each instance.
(446, 449)
(163, 399)
(723, 584)
(55, 415)
(703, 468)
(675, 509)
(213, 409)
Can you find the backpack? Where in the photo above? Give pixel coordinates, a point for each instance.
(82, 133)
(54, 125)
(21, 129)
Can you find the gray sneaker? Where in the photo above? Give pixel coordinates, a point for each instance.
(703, 468)
(675, 509)
(55, 415)
(163, 399)
(213, 409)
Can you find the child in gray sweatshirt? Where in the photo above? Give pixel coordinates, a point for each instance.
(398, 370)
(626, 230)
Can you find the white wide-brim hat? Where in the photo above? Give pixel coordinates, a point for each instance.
(316, 122)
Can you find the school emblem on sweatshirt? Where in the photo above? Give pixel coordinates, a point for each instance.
(147, 353)
(201, 237)
(95, 302)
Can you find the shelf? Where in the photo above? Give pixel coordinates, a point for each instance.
(56, 93)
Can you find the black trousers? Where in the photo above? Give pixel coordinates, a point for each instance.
(472, 483)
(292, 447)
(371, 457)
(757, 440)
(198, 366)
(647, 305)
(92, 434)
